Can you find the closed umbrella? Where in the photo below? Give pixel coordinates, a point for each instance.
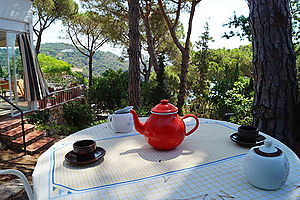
(34, 81)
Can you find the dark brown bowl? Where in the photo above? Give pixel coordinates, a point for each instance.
(84, 147)
(247, 133)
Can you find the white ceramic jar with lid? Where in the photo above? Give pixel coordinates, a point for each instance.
(266, 166)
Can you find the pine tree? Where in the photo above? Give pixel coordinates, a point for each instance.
(160, 91)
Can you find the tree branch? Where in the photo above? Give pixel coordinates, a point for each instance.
(36, 31)
(170, 27)
(177, 15)
(101, 43)
(46, 26)
(145, 66)
(80, 43)
(72, 40)
(149, 37)
(192, 12)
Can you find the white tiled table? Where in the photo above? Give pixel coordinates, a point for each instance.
(207, 165)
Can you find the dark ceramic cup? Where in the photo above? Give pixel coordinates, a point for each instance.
(247, 133)
(84, 147)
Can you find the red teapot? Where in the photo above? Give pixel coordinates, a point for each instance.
(164, 129)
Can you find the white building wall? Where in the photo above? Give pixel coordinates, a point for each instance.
(15, 15)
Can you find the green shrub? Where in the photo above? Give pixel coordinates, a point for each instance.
(144, 111)
(109, 92)
(159, 87)
(240, 100)
(78, 114)
(39, 117)
(98, 122)
(59, 129)
(160, 90)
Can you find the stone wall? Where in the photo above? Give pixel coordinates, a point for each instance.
(57, 115)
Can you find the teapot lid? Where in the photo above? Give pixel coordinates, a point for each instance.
(164, 107)
(268, 149)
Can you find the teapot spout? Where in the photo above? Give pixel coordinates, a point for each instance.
(139, 127)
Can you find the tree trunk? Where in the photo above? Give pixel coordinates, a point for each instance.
(151, 51)
(91, 70)
(182, 86)
(183, 49)
(147, 76)
(274, 70)
(146, 72)
(134, 54)
(38, 42)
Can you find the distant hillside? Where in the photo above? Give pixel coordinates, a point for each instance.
(67, 52)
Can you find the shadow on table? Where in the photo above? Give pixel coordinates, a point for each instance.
(79, 167)
(150, 154)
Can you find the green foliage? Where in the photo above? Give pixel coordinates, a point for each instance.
(39, 117)
(60, 129)
(160, 90)
(102, 61)
(198, 83)
(89, 31)
(109, 92)
(241, 22)
(52, 66)
(239, 100)
(144, 111)
(2, 72)
(230, 63)
(3, 63)
(146, 92)
(151, 18)
(163, 85)
(117, 10)
(78, 114)
(78, 78)
(163, 42)
(172, 81)
(46, 12)
(217, 78)
(53, 9)
(58, 71)
(226, 66)
(98, 122)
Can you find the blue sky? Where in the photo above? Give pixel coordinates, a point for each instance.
(215, 12)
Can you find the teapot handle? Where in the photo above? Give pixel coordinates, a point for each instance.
(109, 120)
(196, 126)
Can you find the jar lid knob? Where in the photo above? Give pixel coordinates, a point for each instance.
(268, 147)
(268, 143)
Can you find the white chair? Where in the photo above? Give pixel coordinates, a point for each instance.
(23, 179)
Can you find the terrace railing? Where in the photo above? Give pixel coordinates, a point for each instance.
(61, 96)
